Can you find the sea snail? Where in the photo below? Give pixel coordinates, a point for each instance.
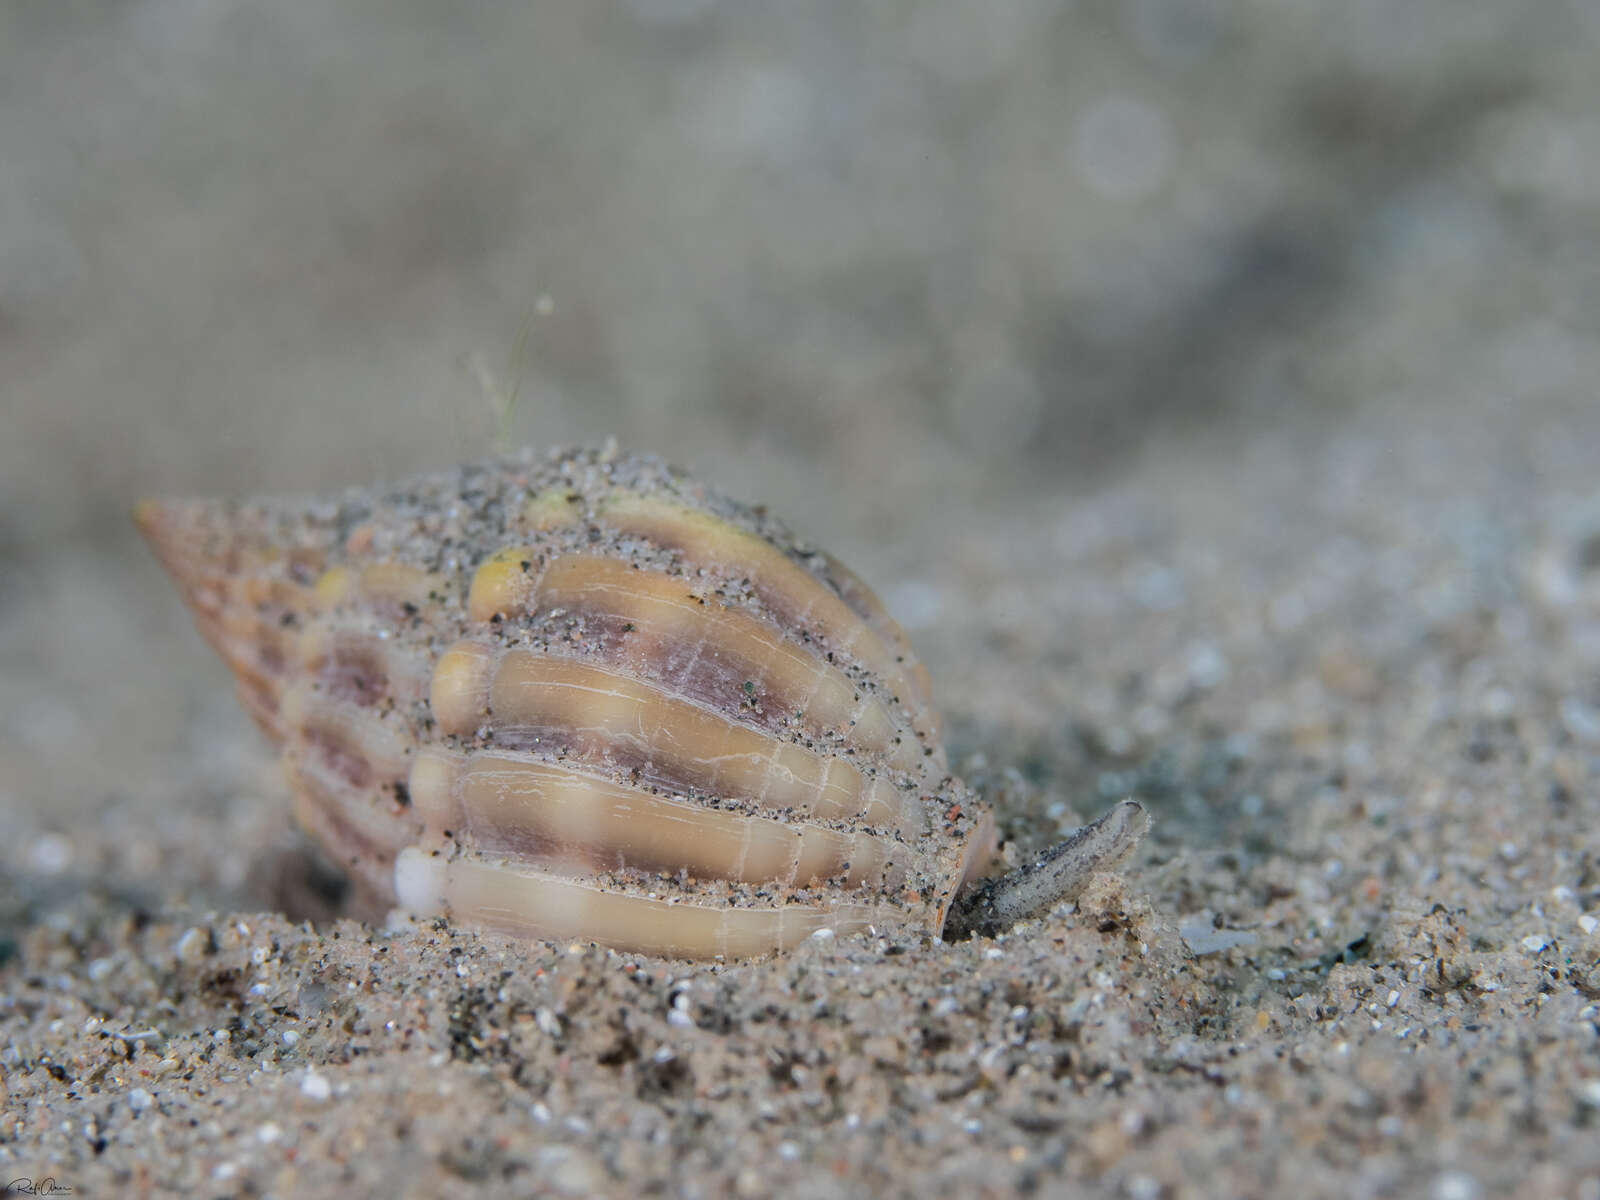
(583, 696)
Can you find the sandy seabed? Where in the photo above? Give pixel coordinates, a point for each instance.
(1353, 672)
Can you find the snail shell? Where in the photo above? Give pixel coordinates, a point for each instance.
(585, 697)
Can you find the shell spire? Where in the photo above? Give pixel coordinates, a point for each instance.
(582, 695)
(244, 590)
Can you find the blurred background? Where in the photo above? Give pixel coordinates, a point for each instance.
(252, 247)
(942, 283)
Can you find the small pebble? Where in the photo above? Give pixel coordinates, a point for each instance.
(139, 1100)
(1158, 589)
(192, 946)
(569, 1171)
(1582, 722)
(1455, 1185)
(1202, 937)
(1207, 667)
(51, 854)
(315, 1087)
(1498, 704)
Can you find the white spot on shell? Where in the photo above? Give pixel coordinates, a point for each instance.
(418, 881)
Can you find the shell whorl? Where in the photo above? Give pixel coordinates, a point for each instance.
(584, 696)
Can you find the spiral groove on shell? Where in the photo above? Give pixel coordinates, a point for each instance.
(585, 697)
